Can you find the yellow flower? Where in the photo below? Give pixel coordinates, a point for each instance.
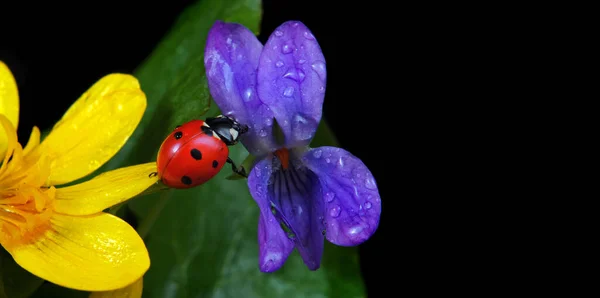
(60, 233)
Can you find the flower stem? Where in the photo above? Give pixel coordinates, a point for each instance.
(153, 214)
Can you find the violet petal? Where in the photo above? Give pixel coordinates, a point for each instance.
(350, 193)
(296, 194)
(291, 81)
(231, 59)
(274, 245)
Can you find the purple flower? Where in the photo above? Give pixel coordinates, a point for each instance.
(304, 194)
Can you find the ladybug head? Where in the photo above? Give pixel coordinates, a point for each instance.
(227, 128)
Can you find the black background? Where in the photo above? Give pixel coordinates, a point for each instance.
(57, 52)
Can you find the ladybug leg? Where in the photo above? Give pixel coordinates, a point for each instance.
(240, 171)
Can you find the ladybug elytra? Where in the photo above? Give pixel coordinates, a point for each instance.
(197, 150)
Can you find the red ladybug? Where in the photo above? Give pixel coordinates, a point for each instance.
(197, 150)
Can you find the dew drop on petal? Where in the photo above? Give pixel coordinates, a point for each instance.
(291, 74)
(319, 68)
(308, 35)
(341, 162)
(268, 121)
(317, 153)
(301, 61)
(248, 94)
(335, 211)
(288, 92)
(329, 197)
(368, 205)
(327, 160)
(279, 63)
(259, 190)
(370, 183)
(303, 128)
(278, 33)
(287, 49)
(262, 133)
(301, 75)
(322, 89)
(257, 172)
(356, 229)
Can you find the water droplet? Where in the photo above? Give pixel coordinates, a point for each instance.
(279, 63)
(268, 121)
(259, 190)
(356, 229)
(295, 24)
(248, 94)
(335, 211)
(368, 205)
(228, 40)
(301, 75)
(319, 68)
(278, 33)
(327, 160)
(274, 47)
(287, 49)
(262, 133)
(329, 197)
(370, 183)
(301, 61)
(308, 35)
(288, 92)
(303, 128)
(257, 172)
(291, 74)
(341, 162)
(317, 153)
(322, 89)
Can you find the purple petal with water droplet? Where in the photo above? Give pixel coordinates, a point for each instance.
(274, 245)
(291, 80)
(231, 58)
(296, 194)
(350, 193)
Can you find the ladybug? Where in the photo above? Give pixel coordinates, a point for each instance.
(197, 150)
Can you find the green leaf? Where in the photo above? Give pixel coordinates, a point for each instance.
(15, 282)
(203, 241)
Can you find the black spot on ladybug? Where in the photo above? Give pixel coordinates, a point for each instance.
(186, 180)
(196, 154)
(207, 130)
(178, 135)
(153, 174)
(215, 163)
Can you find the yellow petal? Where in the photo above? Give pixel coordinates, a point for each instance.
(90, 253)
(95, 128)
(133, 290)
(105, 190)
(9, 102)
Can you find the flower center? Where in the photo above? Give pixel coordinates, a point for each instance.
(25, 203)
(283, 155)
